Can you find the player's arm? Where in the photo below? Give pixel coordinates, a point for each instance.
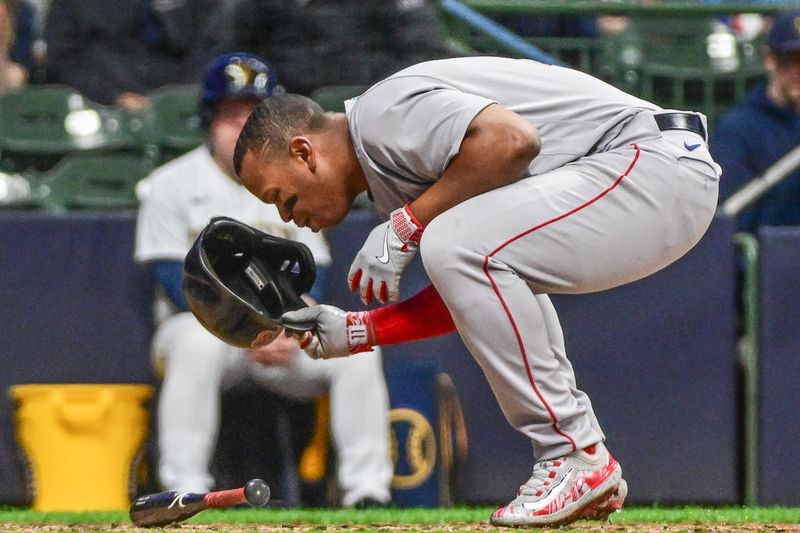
(339, 333)
(496, 149)
(169, 274)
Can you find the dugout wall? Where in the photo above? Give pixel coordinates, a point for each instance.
(658, 356)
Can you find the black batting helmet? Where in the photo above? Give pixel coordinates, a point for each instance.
(238, 281)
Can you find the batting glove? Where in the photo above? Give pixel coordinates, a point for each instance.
(387, 252)
(333, 333)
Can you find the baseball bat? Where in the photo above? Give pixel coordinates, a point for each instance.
(164, 508)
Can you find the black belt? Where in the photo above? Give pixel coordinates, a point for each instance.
(681, 121)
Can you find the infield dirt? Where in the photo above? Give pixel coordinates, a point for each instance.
(363, 528)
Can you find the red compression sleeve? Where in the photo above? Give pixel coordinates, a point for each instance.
(422, 316)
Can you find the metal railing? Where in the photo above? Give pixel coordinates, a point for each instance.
(626, 7)
(495, 32)
(748, 362)
(761, 185)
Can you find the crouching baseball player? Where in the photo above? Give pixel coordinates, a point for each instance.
(185, 193)
(513, 179)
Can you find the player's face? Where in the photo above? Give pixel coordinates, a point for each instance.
(785, 78)
(228, 122)
(302, 189)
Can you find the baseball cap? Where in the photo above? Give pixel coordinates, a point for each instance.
(236, 75)
(785, 34)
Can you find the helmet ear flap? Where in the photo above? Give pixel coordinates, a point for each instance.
(297, 265)
(238, 281)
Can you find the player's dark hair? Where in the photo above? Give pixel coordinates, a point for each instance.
(274, 122)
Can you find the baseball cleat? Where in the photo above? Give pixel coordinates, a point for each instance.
(602, 510)
(563, 490)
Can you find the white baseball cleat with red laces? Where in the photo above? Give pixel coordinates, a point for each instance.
(583, 484)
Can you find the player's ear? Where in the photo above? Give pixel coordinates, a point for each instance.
(302, 149)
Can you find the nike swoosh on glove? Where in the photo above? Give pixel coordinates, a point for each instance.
(387, 252)
(335, 333)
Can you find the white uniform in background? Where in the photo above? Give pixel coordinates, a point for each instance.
(183, 196)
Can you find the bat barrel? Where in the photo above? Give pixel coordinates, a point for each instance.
(165, 508)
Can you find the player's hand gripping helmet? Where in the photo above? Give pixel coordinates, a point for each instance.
(235, 75)
(238, 281)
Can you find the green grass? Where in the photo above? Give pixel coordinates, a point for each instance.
(331, 519)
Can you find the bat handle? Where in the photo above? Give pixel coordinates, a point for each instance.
(224, 498)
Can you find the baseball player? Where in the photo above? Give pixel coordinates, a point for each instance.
(513, 179)
(185, 194)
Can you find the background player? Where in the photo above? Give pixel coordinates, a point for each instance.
(514, 179)
(757, 132)
(185, 194)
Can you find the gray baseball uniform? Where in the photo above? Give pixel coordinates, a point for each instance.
(610, 199)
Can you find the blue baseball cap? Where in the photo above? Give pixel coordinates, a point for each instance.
(237, 75)
(785, 34)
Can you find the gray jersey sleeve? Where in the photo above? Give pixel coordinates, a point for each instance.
(412, 126)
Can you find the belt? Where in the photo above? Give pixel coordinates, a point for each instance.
(681, 121)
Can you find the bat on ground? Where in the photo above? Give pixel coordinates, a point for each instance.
(164, 508)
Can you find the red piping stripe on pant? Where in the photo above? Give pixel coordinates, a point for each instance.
(508, 311)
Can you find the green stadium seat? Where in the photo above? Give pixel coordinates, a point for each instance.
(93, 181)
(171, 124)
(17, 192)
(332, 97)
(687, 62)
(40, 124)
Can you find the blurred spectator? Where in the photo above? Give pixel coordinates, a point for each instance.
(21, 50)
(184, 195)
(36, 47)
(753, 135)
(550, 25)
(339, 42)
(12, 74)
(116, 51)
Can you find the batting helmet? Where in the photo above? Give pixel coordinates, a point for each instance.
(238, 281)
(235, 75)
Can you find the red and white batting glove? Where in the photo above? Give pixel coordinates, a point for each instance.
(387, 252)
(333, 333)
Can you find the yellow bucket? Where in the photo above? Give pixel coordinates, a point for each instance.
(81, 443)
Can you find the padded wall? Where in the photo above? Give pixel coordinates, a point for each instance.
(779, 342)
(655, 356)
(74, 308)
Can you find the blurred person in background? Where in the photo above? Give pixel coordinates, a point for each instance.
(339, 42)
(184, 195)
(756, 133)
(12, 74)
(22, 49)
(116, 51)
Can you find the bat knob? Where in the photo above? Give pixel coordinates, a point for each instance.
(256, 492)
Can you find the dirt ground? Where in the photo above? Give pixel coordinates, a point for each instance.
(482, 526)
